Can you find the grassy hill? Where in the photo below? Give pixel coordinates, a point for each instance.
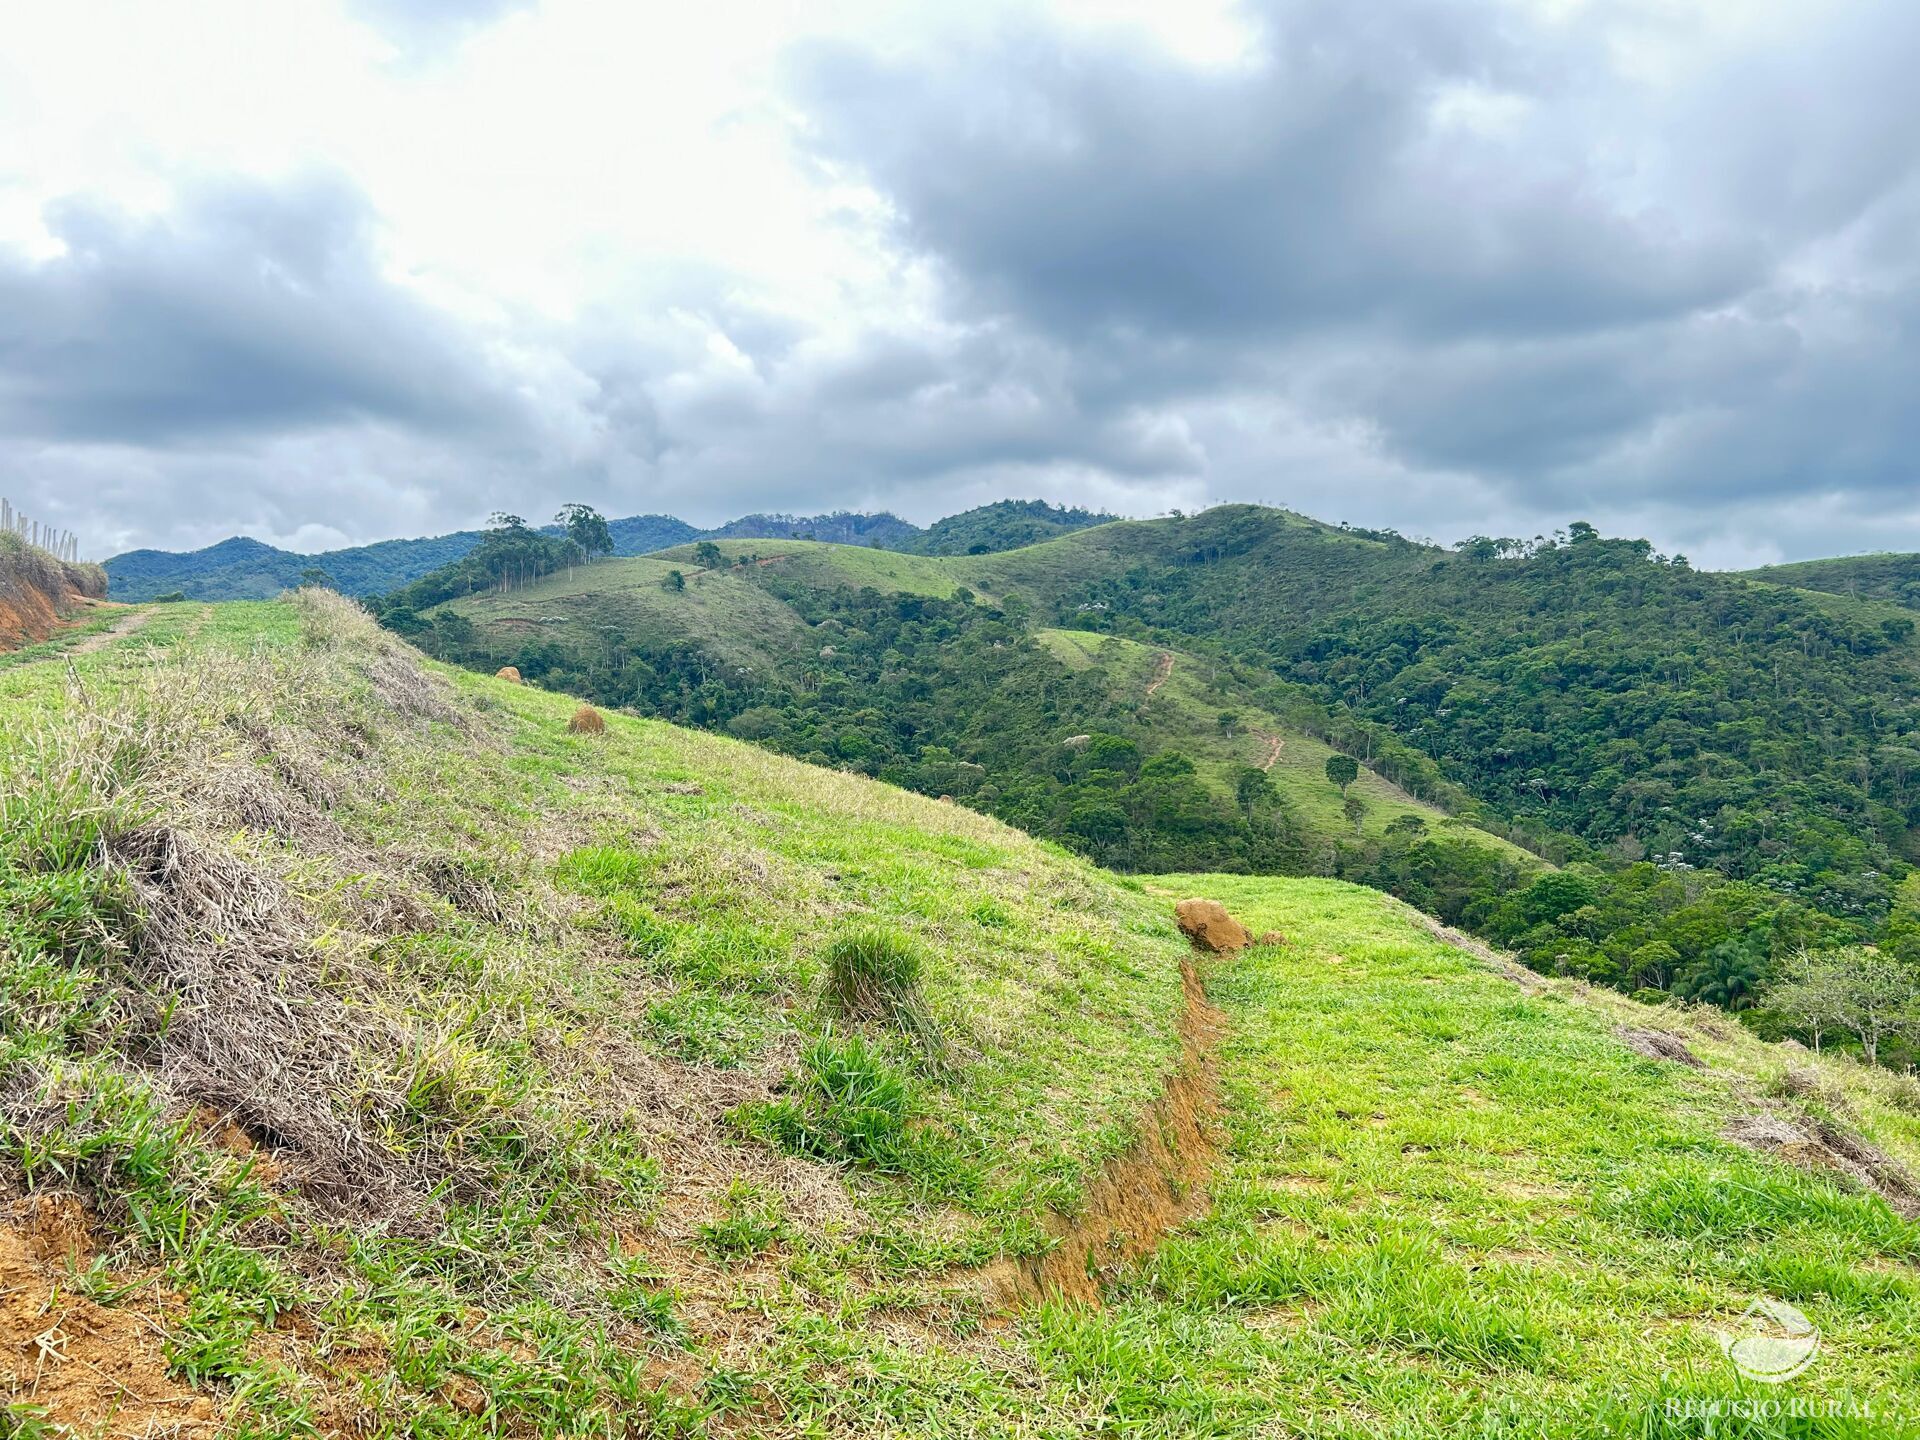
(849, 653)
(1733, 767)
(580, 612)
(379, 1057)
(1188, 697)
(1889, 577)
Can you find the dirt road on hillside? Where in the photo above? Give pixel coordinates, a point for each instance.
(1162, 670)
(1274, 746)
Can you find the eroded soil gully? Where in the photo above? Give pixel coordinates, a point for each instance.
(1139, 1196)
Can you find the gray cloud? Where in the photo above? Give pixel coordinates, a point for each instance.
(245, 365)
(1651, 302)
(1446, 267)
(1099, 185)
(248, 309)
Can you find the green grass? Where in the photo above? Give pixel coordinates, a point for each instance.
(591, 964)
(722, 610)
(656, 1180)
(583, 609)
(1449, 1208)
(820, 563)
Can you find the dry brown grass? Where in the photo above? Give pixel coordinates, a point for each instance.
(1141, 1195)
(211, 780)
(238, 1012)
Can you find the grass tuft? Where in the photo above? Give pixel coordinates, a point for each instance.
(873, 973)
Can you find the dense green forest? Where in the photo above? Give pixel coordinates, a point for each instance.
(1584, 685)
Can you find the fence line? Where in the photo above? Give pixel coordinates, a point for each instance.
(63, 544)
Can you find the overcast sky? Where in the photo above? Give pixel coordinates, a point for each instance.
(325, 273)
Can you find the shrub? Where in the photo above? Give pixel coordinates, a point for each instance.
(870, 970)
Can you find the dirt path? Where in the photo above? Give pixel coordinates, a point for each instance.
(1162, 670)
(1274, 746)
(120, 629)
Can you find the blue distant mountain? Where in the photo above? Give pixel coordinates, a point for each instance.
(243, 569)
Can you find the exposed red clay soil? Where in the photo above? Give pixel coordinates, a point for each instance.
(25, 618)
(88, 1368)
(1140, 1196)
(1210, 928)
(1163, 667)
(29, 615)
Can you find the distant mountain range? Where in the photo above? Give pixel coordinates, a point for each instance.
(243, 569)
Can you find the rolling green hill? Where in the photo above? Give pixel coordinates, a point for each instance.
(1732, 768)
(1589, 687)
(864, 658)
(1888, 577)
(624, 603)
(378, 1056)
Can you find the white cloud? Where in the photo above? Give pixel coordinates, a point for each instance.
(1650, 262)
